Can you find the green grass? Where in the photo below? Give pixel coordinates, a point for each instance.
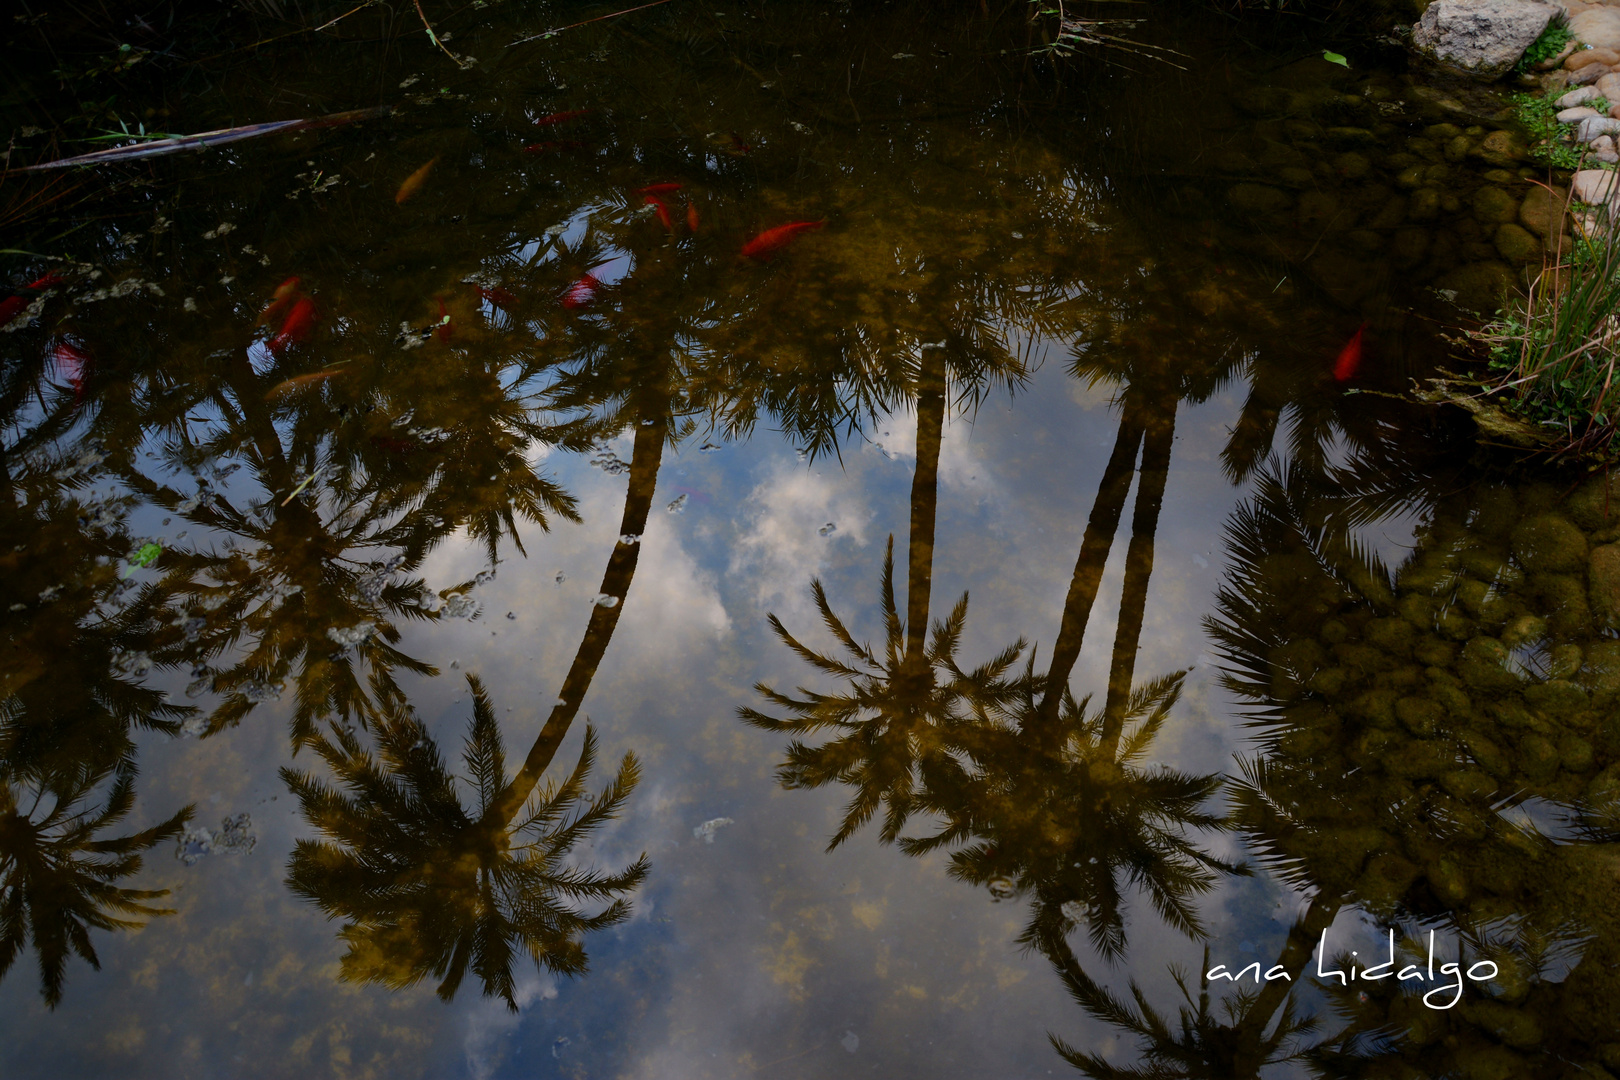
(1548, 45)
(1553, 352)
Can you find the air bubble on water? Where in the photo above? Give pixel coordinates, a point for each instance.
(709, 448)
(1075, 910)
(561, 577)
(350, 636)
(605, 600)
(460, 606)
(827, 529)
(560, 703)
(409, 415)
(194, 727)
(261, 690)
(233, 837)
(609, 462)
(188, 505)
(484, 577)
(851, 1042)
(511, 615)
(646, 423)
(629, 538)
(1002, 888)
(677, 505)
(706, 831)
(131, 662)
(455, 665)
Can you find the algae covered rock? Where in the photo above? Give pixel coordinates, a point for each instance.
(1604, 578)
(1548, 543)
(1484, 665)
(1480, 38)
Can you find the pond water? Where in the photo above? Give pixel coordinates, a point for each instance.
(479, 602)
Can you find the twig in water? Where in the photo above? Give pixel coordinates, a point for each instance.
(584, 22)
(435, 37)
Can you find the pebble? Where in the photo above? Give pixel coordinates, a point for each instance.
(1609, 86)
(1589, 74)
(1580, 112)
(1583, 57)
(1593, 126)
(1579, 96)
(1593, 186)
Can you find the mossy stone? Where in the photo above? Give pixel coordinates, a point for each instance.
(1448, 881)
(1258, 200)
(1420, 715)
(1502, 148)
(1329, 682)
(1434, 652)
(1524, 630)
(1488, 1061)
(1387, 878)
(1482, 601)
(1487, 754)
(1516, 244)
(1439, 133)
(1392, 635)
(1538, 756)
(1565, 595)
(1515, 1027)
(1333, 632)
(1364, 658)
(1468, 785)
(1490, 567)
(1456, 148)
(1420, 759)
(1556, 697)
(1376, 707)
(1352, 165)
(1455, 625)
(1480, 285)
(1495, 510)
(1483, 665)
(1549, 544)
(1603, 580)
(1455, 701)
(1575, 753)
(1603, 666)
(1424, 205)
(1595, 504)
(1493, 206)
(1564, 662)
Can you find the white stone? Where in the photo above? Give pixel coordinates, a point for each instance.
(1603, 144)
(1579, 96)
(1580, 112)
(1593, 126)
(1609, 87)
(1483, 38)
(1593, 186)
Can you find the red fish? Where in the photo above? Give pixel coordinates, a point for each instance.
(773, 240)
(692, 216)
(581, 292)
(12, 306)
(295, 331)
(284, 294)
(550, 145)
(299, 382)
(496, 295)
(658, 189)
(1349, 361)
(71, 364)
(444, 321)
(663, 212)
(560, 117)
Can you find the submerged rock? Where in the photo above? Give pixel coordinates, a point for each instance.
(1481, 38)
(1549, 544)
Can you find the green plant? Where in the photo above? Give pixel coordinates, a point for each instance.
(1539, 117)
(1553, 352)
(1548, 45)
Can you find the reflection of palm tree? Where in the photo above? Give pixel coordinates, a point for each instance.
(899, 723)
(431, 887)
(1072, 827)
(58, 878)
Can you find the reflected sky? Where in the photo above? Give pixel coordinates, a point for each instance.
(256, 556)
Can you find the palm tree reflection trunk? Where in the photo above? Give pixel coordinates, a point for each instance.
(1159, 433)
(645, 459)
(924, 503)
(1088, 567)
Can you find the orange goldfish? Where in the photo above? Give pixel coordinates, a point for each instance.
(497, 296)
(295, 331)
(71, 363)
(773, 240)
(581, 292)
(658, 189)
(560, 117)
(280, 299)
(692, 216)
(299, 382)
(1349, 361)
(12, 306)
(413, 183)
(663, 211)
